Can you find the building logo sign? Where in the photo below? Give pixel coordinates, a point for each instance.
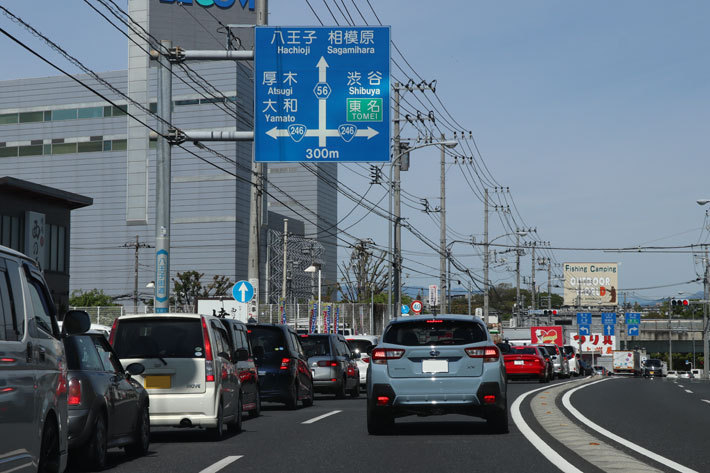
(208, 3)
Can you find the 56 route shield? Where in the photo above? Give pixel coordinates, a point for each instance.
(322, 94)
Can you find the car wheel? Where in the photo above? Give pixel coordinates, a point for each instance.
(543, 378)
(497, 421)
(341, 392)
(292, 401)
(379, 423)
(308, 401)
(217, 431)
(256, 412)
(93, 454)
(49, 449)
(355, 392)
(236, 424)
(142, 435)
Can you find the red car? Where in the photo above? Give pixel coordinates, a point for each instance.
(527, 362)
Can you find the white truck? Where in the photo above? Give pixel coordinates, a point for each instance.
(626, 362)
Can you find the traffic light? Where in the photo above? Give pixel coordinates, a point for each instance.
(679, 302)
(550, 312)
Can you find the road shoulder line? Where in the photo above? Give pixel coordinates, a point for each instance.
(316, 419)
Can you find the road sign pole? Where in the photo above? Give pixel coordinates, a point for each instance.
(396, 167)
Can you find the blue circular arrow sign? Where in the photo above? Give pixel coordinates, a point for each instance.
(243, 291)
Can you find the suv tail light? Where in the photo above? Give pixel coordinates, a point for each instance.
(381, 355)
(112, 335)
(365, 360)
(209, 364)
(74, 396)
(327, 363)
(285, 363)
(489, 354)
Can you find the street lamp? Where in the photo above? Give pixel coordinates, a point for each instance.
(312, 269)
(706, 296)
(394, 194)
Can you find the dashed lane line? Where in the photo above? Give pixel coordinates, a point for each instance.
(689, 391)
(316, 419)
(542, 446)
(221, 464)
(637, 448)
(705, 400)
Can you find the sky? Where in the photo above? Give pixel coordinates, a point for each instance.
(595, 115)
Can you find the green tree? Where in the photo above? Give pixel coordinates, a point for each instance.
(92, 298)
(188, 288)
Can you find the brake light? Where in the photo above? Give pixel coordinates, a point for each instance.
(381, 355)
(112, 335)
(434, 321)
(489, 399)
(209, 364)
(74, 396)
(62, 381)
(285, 363)
(489, 354)
(327, 363)
(365, 360)
(382, 400)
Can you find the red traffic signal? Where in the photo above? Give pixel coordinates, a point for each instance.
(679, 302)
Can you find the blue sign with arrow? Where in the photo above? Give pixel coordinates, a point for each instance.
(633, 330)
(608, 318)
(608, 329)
(585, 330)
(322, 94)
(584, 318)
(243, 291)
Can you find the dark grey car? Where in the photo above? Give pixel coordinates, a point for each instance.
(107, 408)
(332, 363)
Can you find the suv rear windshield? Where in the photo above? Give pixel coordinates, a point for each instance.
(569, 350)
(653, 363)
(524, 351)
(316, 346)
(164, 337)
(361, 346)
(270, 339)
(435, 332)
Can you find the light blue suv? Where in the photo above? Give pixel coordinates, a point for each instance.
(435, 365)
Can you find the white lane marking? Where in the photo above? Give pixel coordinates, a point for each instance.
(681, 386)
(316, 419)
(221, 464)
(554, 457)
(689, 391)
(705, 400)
(654, 456)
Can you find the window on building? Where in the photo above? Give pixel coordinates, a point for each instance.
(8, 152)
(64, 148)
(119, 145)
(119, 111)
(56, 257)
(11, 232)
(31, 117)
(8, 118)
(91, 112)
(31, 150)
(90, 146)
(58, 115)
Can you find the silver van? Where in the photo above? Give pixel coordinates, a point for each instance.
(33, 369)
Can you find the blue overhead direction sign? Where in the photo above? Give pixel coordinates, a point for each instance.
(584, 330)
(322, 94)
(609, 318)
(633, 318)
(243, 291)
(584, 318)
(608, 329)
(633, 330)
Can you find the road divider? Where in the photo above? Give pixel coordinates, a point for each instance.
(221, 464)
(316, 419)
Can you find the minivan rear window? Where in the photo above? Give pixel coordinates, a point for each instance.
(316, 346)
(654, 362)
(361, 346)
(442, 332)
(164, 337)
(270, 339)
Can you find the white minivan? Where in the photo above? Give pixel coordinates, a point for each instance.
(190, 369)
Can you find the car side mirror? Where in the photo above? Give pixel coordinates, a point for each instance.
(242, 354)
(75, 322)
(224, 355)
(135, 369)
(259, 351)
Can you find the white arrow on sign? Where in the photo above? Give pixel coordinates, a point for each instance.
(322, 132)
(243, 290)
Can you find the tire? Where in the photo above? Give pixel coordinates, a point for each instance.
(292, 401)
(543, 378)
(308, 401)
(256, 412)
(379, 423)
(340, 392)
(355, 392)
(498, 421)
(142, 435)
(217, 432)
(49, 448)
(235, 426)
(93, 454)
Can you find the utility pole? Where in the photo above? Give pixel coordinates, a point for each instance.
(532, 280)
(285, 261)
(706, 329)
(161, 301)
(670, 337)
(396, 254)
(443, 254)
(256, 208)
(136, 245)
(549, 284)
(469, 298)
(517, 277)
(485, 256)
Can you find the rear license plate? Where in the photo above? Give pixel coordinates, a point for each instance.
(519, 362)
(435, 366)
(262, 373)
(157, 382)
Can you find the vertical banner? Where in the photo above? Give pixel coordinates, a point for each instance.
(314, 317)
(337, 319)
(283, 311)
(35, 238)
(326, 313)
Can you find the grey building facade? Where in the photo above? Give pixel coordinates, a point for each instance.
(56, 133)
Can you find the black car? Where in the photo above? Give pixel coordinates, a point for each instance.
(107, 408)
(332, 363)
(652, 367)
(243, 359)
(284, 375)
